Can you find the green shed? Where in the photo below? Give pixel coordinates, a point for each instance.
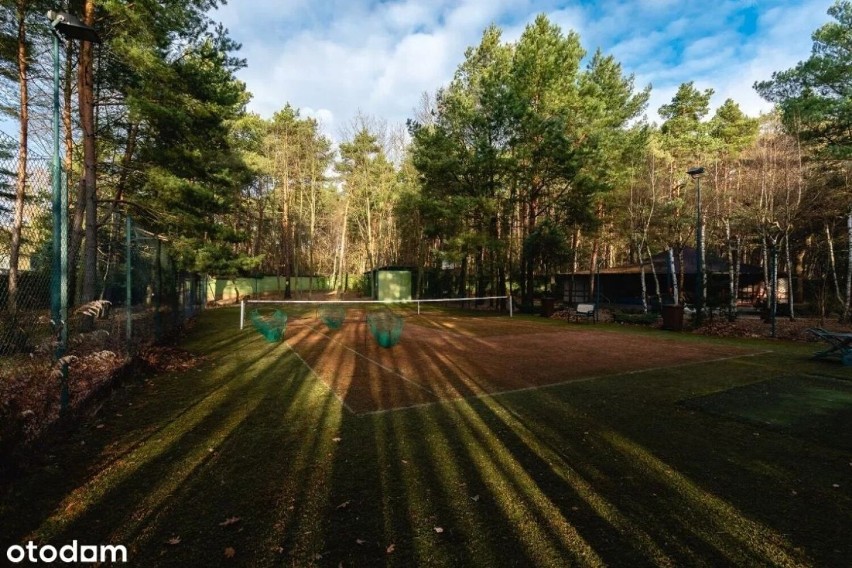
(390, 283)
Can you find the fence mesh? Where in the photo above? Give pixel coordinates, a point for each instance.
(142, 298)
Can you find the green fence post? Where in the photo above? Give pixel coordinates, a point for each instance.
(128, 283)
(158, 326)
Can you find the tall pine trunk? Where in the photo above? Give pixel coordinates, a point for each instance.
(21, 185)
(341, 263)
(86, 86)
(528, 263)
(593, 263)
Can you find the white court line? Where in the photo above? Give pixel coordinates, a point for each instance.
(549, 385)
(388, 369)
(315, 374)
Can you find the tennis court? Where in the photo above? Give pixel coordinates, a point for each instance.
(448, 354)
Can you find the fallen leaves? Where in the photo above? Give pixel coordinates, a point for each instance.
(390, 548)
(97, 308)
(160, 359)
(174, 541)
(229, 521)
(230, 552)
(439, 530)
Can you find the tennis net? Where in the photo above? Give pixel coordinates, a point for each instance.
(337, 313)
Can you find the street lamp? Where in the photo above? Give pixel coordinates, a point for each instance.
(696, 173)
(70, 28)
(773, 236)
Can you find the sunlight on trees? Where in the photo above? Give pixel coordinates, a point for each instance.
(533, 161)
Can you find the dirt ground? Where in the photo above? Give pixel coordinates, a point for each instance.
(449, 358)
(748, 325)
(754, 326)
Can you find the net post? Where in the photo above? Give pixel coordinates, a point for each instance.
(242, 313)
(418, 307)
(509, 296)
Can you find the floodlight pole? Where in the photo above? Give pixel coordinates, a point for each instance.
(59, 272)
(773, 284)
(696, 173)
(70, 28)
(772, 237)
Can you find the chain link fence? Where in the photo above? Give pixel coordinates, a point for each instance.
(143, 297)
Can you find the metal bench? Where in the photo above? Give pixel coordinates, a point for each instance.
(587, 311)
(840, 344)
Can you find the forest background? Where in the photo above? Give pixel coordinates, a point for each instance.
(534, 160)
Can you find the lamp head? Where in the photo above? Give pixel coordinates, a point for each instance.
(70, 27)
(695, 172)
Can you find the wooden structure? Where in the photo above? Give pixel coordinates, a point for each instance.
(622, 285)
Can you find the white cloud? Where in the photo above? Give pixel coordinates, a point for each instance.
(332, 59)
(323, 116)
(410, 15)
(417, 64)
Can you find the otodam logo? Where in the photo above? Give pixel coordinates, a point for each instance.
(70, 553)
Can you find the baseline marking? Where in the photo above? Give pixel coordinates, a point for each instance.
(561, 383)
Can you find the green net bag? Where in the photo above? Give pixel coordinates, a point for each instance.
(332, 316)
(271, 327)
(386, 328)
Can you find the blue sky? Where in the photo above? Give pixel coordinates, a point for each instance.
(334, 58)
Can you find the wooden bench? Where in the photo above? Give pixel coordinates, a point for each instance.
(587, 311)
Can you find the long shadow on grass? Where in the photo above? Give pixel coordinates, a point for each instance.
(559, 482)
(438, 489)
(131, 500)
(386, 488)
(261, 493)
(410, 499)
(88, 449)
(540, 482)
(257, 459)
(648, 482)
(284, 457)
(443, 488)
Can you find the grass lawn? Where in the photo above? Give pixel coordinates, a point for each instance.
(250, 460)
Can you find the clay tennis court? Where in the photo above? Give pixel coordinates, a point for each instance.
(443, 357)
